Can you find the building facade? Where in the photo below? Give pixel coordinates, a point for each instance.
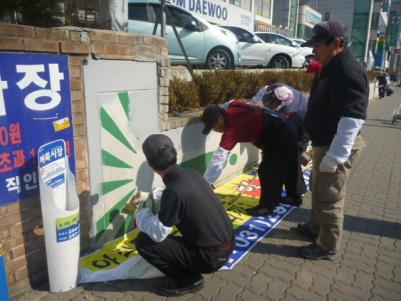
(307, 18)
(357, 15)
(394, 37)
(263, 11)
(296, 18)
(285, 16)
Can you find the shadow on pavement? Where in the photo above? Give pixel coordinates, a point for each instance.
(355, 224)
(351, 224)
(274, 249)
(124, 286)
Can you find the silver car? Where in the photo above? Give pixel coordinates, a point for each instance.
(255, 52)
(275, 38)
(205, 44)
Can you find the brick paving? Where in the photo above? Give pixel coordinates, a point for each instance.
(368, 266)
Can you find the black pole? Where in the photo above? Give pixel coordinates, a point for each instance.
(191, 71)
(163, 19)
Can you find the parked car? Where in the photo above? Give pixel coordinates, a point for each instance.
(275, 38)
(255, 52)
(298, 40)
(205, 44)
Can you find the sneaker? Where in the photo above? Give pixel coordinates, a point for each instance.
(314, 252)
(306, 231)
(258, 211)
(170, 288)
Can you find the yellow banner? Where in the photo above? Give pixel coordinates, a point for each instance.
(238, 194)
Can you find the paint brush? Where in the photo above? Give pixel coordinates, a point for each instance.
(132, 205)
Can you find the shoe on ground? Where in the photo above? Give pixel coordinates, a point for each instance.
(171, 288)
(306, 231)
(259, 211)
(314, 252)
(293, 201)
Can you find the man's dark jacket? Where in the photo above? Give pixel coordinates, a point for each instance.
(341, 91)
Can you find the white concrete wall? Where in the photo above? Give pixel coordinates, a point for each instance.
(121, 112)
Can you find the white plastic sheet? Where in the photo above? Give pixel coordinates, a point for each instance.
(60, 213)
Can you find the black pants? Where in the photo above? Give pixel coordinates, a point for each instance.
(179, 260)
(279, 165)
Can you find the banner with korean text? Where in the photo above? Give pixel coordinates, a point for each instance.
(35, 108)
(119, 259)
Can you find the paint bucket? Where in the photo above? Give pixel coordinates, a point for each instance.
(60, 213)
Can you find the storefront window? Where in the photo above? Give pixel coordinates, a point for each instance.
(258, 7)
(262, 8)
(245, 4)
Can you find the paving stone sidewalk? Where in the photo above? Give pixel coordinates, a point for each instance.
(368, 266)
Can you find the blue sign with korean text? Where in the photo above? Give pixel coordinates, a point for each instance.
(35, 108)
(248, 234)
(52, 163)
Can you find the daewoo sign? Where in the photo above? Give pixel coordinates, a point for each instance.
(218, 12)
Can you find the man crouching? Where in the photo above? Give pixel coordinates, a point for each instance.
(189, 204)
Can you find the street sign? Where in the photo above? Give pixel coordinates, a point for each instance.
(393, 28)
(35, 108)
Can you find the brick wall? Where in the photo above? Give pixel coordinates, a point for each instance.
(20, 222)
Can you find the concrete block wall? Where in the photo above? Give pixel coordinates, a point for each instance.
(20, 222)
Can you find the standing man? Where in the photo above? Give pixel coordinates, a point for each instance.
(267, 130)
(189, 204)
(336, 111)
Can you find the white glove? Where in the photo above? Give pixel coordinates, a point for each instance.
(328, 164)
(216, 165)
(259, 95)
(150, 224)
(341, 146)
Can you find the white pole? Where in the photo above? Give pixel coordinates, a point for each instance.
(368, 32)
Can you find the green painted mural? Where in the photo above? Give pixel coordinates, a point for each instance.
(119, 157)
(118, 153)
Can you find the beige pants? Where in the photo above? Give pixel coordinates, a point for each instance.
(328, 197)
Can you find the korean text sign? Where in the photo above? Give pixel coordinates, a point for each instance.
(35, 108)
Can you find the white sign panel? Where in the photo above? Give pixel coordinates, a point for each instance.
(218, 12)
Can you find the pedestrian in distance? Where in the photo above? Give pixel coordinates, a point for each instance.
(189, 204)
(381, 78)
(336, 112)
(267, 130)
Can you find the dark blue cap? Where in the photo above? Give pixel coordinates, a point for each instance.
(323, 31)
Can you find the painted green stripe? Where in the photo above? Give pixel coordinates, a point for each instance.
(109, 125)
(113, 185)
(111, 160)
(124, 99)
(198, 163)
(106, 219)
